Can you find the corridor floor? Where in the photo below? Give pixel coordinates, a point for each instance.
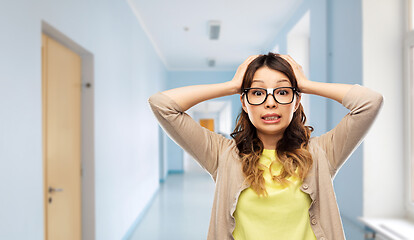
(181, 210)
(182, 207)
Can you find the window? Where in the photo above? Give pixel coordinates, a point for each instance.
(409, 108)
(410, 15)
(411, 117)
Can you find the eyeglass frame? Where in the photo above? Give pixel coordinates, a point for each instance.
(271, 91)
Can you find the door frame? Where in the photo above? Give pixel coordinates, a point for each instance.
(87, 128)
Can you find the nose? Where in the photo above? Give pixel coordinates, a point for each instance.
(270, 101)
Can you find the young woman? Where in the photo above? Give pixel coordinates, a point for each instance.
(273, 181)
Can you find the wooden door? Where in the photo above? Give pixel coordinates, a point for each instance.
(208, 123)
(61, 85)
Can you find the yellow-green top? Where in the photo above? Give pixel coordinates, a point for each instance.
(283, 214)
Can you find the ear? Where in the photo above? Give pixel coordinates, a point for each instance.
(243, 103)
(298, 98)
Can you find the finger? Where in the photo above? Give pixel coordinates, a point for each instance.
(250, 59)
(288, 59)
(292, 61)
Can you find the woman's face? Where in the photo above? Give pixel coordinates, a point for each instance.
(280, 114)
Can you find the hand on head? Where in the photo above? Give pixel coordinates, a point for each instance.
(238, 77)
(297, 69)
(301, 79)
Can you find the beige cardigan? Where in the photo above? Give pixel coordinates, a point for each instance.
(219, 156)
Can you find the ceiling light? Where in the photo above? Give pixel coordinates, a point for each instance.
(211, 62)
(214, 30)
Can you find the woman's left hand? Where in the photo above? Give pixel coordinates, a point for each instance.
(298, 71)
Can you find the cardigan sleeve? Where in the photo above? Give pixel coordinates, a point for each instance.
(339, 143)
(202, 144)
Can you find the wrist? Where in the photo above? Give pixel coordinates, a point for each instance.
(232, 88)
(305, 86)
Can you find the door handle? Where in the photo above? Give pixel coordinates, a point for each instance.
(51, 190)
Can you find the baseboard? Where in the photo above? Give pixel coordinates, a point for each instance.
(140, 216)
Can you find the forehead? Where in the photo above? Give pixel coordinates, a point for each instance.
(268, 76)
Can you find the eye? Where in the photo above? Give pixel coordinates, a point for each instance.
(282, 92)
(257, 93)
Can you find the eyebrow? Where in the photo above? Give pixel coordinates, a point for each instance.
(282, 80)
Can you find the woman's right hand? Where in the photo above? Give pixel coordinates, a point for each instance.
(237, 80)
(188, 96)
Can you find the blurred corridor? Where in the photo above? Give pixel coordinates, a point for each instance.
(81, 152)
(180, 210)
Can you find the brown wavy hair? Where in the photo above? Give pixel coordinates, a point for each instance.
(292, 149)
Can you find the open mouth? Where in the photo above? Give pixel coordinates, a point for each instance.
(271, 118)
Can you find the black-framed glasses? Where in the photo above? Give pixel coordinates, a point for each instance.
(282, 95)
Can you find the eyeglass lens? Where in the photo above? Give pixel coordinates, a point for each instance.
(258, 96)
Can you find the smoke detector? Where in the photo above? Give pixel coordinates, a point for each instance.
(211, 62)
(214, 29)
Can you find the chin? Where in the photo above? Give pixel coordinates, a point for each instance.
(272, 130)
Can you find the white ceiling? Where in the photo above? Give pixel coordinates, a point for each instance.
(247, 27)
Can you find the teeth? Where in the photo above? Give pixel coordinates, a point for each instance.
(271, 118)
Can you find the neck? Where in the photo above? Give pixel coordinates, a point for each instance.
(269, 141)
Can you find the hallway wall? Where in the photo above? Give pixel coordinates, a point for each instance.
(126, 71)
(345, 66)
